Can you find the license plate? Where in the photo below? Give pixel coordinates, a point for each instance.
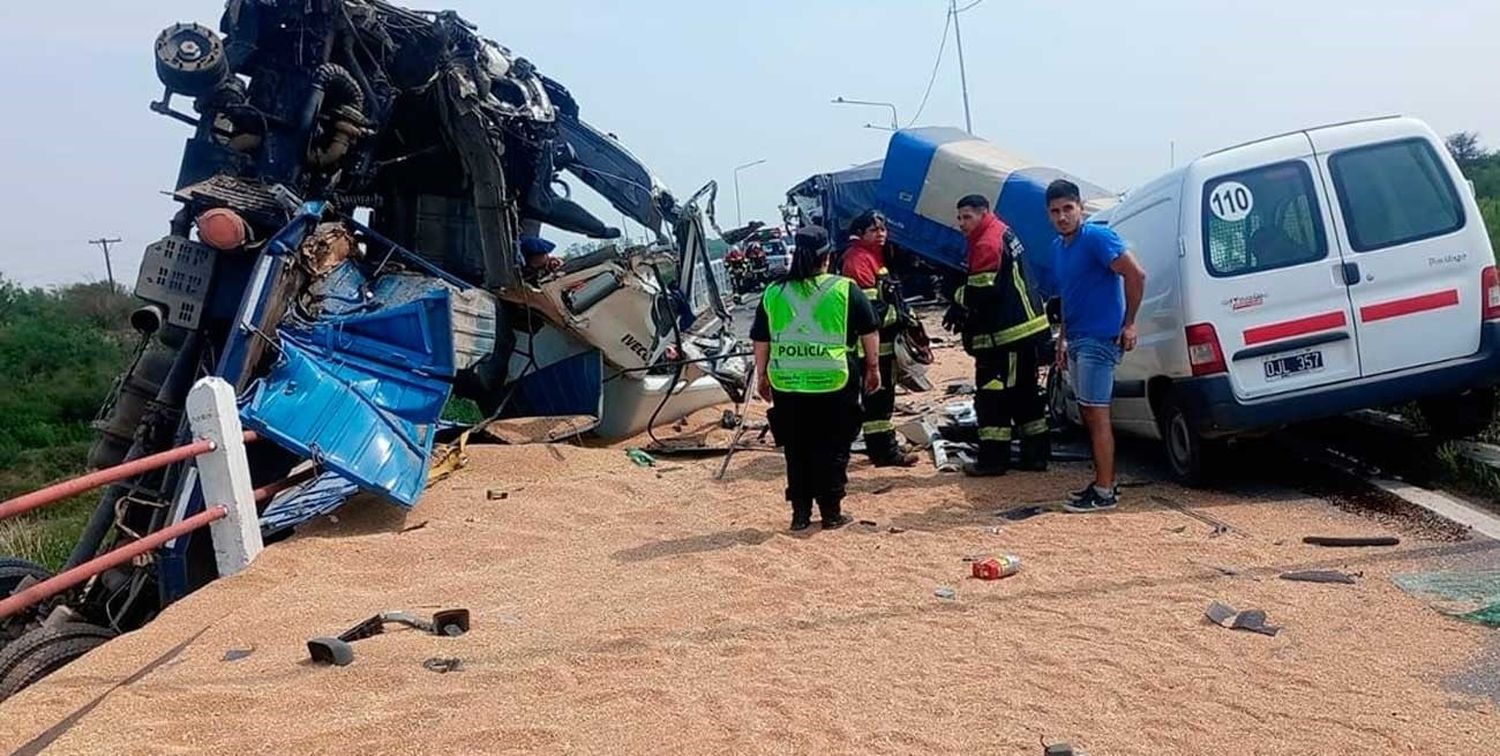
(1281, 367)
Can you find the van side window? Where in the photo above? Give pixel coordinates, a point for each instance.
(1395, 193)
(1262, 219)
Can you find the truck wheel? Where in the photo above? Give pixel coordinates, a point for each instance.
(13, 571)
(1455, 416)
(1189, 455)
(45, 650)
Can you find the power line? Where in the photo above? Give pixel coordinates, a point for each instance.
(942, 46)
(969, 7)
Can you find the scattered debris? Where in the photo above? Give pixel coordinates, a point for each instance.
(1225, 571)
(447, 622)
(410, 528)
(640, 458)
(330, 651)
(1219, 526)
(870, 523)
(950, 457)
(495, 494)
(920, 433)
(1351, 541)
(895, 529)
(1023, 512)
(236, 654)
(1060, 749)
(443, 664)
(959, 389)
(884, 489)
(946, 593)
(1321, 576)
(996, 568)
(730, 420)
(1253, 620)
(1178, 529)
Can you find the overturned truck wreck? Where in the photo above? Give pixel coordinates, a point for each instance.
(346, 256)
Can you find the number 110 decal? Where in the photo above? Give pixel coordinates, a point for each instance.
(1231, 201)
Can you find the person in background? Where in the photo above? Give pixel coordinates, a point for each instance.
(536, 253)
(865, 264)
(804, 335)
(1003, 326)
(1101, 284)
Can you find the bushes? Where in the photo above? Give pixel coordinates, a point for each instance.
(60, 352)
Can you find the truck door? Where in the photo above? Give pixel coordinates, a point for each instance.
(1416, 256)
(1274, 284)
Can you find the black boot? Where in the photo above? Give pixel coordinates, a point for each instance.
(801, 515)
(1036, 451)
(832, 511)
(885, 451)
(994, 460)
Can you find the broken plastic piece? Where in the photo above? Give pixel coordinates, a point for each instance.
(1319, 576)
(1350, 541)
(1253, 620)
(330, 651)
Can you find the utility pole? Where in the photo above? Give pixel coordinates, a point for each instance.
(963, 75)
(108, 267)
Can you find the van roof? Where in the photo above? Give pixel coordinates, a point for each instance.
(1300, 131)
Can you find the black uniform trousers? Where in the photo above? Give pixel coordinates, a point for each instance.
(1006, 400)
(815, 431)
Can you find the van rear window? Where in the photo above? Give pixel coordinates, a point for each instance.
(1262, 219)
(1395, 193)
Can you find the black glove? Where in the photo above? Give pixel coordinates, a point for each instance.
(953, 320)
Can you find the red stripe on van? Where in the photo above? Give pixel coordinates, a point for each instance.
(1299, 327)
(1397, 308)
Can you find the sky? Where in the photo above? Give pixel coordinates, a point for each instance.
(1097, 87)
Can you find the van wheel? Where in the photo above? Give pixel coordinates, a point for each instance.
(1456, 416)
(1189, 455)
(45, 650)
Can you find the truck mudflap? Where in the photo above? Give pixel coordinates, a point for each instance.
(1215, 411)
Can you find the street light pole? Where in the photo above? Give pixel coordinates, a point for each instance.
(963, 75)
(739, 217)
(895, 121)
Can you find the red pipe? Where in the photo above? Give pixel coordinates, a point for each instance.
(124, 471)
(69, 578)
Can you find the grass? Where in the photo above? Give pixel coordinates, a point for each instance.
(45, 536)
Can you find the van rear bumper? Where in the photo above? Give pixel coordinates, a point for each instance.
(1213, 408)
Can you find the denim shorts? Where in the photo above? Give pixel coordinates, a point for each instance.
(1091, 363)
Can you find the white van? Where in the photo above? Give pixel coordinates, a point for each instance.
(1304, 276)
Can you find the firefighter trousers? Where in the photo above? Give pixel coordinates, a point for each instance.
(879, 430)
(1007, 402)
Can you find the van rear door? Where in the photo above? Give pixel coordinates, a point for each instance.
(1416, 249)
(1274, 288)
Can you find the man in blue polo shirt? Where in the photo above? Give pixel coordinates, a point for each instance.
(1101, 284)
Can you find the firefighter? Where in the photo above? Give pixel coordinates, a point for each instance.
(1003, 327)
(865, 264)
(804, 333)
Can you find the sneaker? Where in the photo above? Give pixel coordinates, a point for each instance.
(1088, 490)
(1093, 501)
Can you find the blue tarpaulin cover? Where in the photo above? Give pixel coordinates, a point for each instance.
(841, 195)
(927, 170)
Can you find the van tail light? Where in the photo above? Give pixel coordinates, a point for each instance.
(1204, 353)
(1490, 283)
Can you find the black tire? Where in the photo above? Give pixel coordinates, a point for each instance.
(1190, 456)
(1455, 416)
(13, 571)
(45, 650)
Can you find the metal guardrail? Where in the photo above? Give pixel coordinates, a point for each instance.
(223, 472)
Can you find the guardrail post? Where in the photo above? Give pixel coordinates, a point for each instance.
(224, 474)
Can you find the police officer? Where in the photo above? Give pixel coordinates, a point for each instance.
(804, 333)
(1003, 326)
(865, 264)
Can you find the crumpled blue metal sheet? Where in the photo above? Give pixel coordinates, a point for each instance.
(369, 422)
(315, 498)
(417, 335)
